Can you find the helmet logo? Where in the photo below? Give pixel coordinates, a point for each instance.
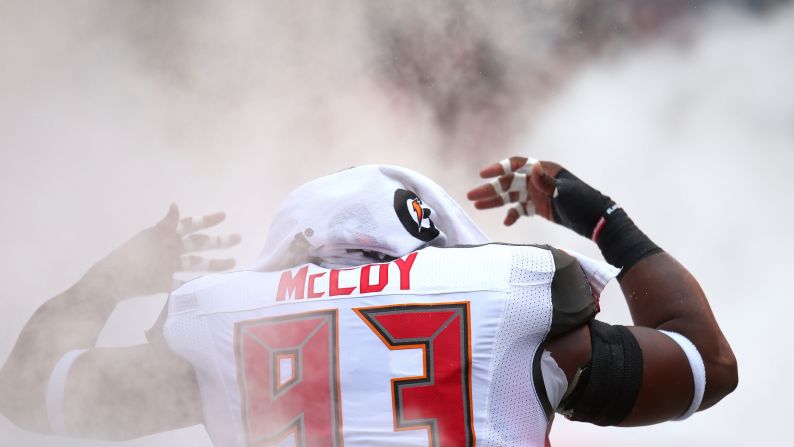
(414, 215)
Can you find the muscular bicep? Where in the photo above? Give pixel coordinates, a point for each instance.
(667, 384)
(623, 376)
(124, 393)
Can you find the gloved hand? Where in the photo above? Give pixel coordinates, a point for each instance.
(547, 189)
(544, 188)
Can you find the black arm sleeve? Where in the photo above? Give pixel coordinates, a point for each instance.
(605, 389)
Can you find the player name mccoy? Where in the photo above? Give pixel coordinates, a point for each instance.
(299, 284)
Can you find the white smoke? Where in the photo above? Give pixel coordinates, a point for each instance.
(111, 110)
(697, 144)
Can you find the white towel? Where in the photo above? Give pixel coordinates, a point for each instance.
(356, 216)
(372, 213)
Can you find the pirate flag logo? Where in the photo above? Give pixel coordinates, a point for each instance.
(414, 215)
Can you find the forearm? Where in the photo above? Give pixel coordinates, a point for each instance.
(144, 264)
(117, 394)
(662, 294)
(71, 320)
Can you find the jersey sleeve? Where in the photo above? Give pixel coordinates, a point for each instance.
(573, 301)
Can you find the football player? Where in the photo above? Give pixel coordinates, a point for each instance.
(363, 324)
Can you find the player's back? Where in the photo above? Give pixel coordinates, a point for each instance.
(440, 347)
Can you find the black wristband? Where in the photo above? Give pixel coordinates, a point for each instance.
(585, 210)
(620, 241)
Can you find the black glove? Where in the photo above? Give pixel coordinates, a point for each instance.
(577, 205)
(583, 209)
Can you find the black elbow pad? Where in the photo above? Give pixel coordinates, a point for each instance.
(606, 388)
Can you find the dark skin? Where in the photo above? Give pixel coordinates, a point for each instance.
(133, 391)
(146, 389)
(661, 295)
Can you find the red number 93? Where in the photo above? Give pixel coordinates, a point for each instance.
(289, 374)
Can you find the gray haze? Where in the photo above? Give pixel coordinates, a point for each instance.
(109, 111)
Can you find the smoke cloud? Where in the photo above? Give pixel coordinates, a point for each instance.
(109, 111)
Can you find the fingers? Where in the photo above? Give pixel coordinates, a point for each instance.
(203, 242)
(193, 263)
(510, 188)
(508, 166)
(523, 181)
(171, 218)
(541, 179)
(493, 202)
(192, 224)
(503, 199)
(542, 187)
(518, 210)
(481, 192)
(506, 188)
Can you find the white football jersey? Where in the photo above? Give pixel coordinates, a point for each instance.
(438, 348)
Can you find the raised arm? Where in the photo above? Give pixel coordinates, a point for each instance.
(661, 294)
(108, 393)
